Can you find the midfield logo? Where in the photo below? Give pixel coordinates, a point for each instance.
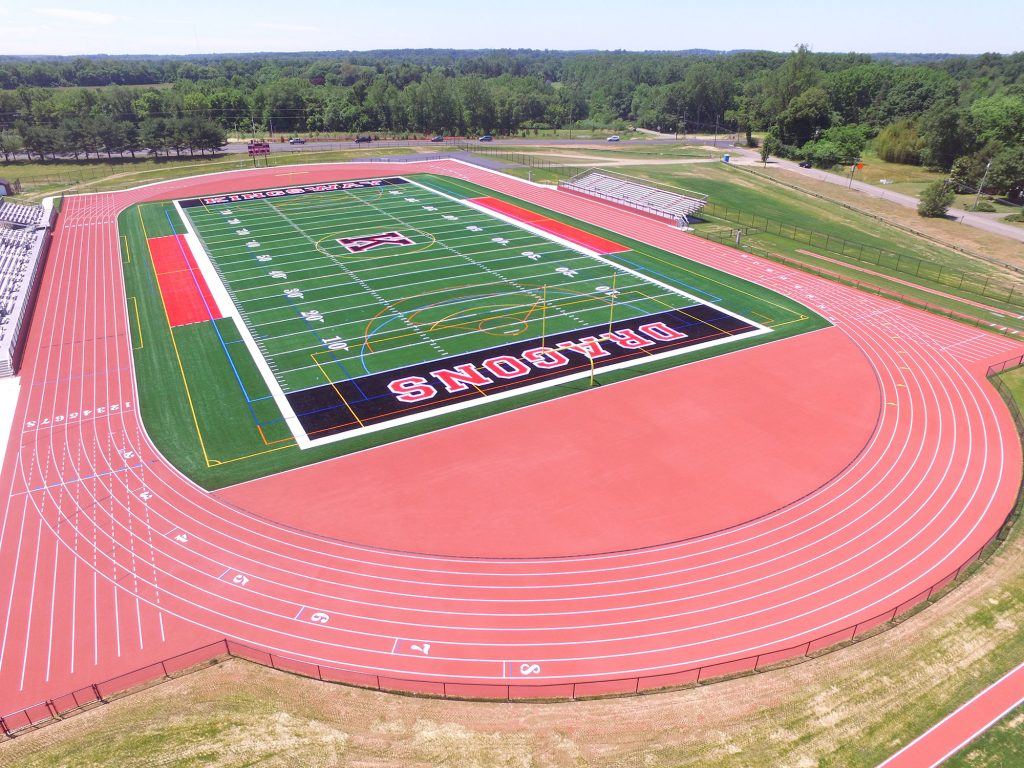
(363, 243)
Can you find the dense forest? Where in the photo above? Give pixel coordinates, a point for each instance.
(964, 114)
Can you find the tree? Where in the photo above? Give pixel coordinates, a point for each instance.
(998, 118)
(935, 200)
(10, 143)
(770, 147)
(805, 114)
(1006, 176)
(966, 173)
(943, 135)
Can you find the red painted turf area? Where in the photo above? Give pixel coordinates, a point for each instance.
(187, 298)
(557, 228)
(511, 485)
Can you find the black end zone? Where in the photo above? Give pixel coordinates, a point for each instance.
(376, 398)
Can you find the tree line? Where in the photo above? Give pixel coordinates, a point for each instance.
(959, 113)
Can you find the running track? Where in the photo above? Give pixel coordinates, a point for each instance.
(97, 582)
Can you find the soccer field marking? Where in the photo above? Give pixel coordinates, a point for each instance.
(405, 286)
(363, 284)
(507, 275)
(544, 236)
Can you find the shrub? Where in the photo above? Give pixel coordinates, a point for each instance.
(899, 143)
(984, 206)
(935, 200)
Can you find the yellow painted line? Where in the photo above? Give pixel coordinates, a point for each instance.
(174, 343)
(126, 249)
(611, 311)
(217, 463)
(336, 390)
(138, 322)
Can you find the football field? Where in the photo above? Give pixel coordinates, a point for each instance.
(371, 303)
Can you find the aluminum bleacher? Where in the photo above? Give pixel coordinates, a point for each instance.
(21, 215)
(24, 239)
(676, 206)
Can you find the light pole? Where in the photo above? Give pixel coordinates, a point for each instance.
(981, 186)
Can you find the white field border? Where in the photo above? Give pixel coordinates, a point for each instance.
(228, 309)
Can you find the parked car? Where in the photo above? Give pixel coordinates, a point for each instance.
(363, 139)
(438, 138)
(805, 164)
(612, 138)
(486, 137)
(296, 141)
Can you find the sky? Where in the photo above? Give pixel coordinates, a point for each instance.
(67, 27)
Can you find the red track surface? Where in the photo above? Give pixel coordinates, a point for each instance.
(98, 583)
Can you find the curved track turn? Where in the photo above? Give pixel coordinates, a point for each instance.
(100, 581)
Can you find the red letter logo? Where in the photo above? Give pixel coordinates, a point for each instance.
(363, 243)
(412, 389)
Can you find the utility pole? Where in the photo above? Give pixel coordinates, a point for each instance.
(853, 167)
(982, 185)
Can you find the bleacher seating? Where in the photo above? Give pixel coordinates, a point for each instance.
(24, 235)
(22, 215)
(636, 194)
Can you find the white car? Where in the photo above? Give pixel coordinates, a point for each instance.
(612, 138)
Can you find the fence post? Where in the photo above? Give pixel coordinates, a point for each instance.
(7, 731)
(96, 692)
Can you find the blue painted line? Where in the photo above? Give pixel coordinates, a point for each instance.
(88, 477)
(213, 322)
(670, 280)
(320, 338)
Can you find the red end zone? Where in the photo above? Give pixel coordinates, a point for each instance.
(557, 228)
(186, 296)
